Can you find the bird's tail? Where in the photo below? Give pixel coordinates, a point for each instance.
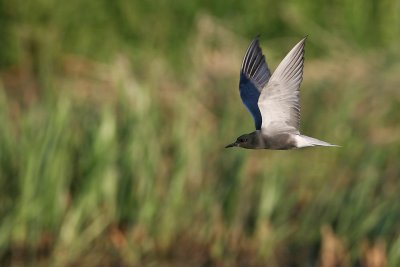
(305, 141)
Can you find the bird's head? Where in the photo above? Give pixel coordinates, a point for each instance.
(244, 141)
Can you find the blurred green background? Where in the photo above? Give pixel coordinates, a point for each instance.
(114, 116)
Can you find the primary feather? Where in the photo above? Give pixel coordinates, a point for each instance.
(254, 74)
(279, 101)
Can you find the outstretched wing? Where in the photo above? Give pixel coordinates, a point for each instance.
(254, 74)
(280, 100)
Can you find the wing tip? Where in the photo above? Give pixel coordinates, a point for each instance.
(303, 40)
(254, 66)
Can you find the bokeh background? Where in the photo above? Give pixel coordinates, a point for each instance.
(114, 116)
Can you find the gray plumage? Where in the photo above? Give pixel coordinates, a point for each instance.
(254, 65)
(277, 98)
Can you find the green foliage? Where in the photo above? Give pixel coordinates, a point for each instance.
(121, 163)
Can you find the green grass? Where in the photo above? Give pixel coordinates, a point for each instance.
(115, 116)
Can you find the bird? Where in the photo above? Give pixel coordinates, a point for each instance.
(273, 100)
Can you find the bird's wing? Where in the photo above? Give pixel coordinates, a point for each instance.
(254, 74)
(279, 101)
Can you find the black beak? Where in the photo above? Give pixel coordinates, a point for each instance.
(231, 145)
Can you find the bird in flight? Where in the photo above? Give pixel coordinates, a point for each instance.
(273, 100)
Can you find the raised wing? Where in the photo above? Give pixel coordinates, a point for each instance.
(254, 74)
(279, 102)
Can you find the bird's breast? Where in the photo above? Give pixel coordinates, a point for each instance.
(281, 141)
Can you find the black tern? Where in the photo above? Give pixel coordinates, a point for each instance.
(273, 100)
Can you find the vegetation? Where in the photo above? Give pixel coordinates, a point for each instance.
(115, 115)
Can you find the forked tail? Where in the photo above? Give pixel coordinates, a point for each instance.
(305, 141)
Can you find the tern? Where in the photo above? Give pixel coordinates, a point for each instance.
(273, 100)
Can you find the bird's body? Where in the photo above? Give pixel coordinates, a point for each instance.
(273, 101)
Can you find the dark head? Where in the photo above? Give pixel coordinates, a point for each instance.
(245, 141)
